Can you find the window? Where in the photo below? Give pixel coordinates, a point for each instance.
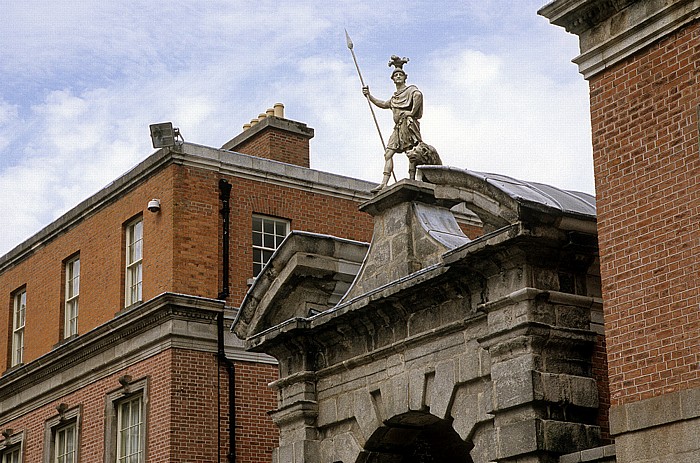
(134, 256)
(70, 325)
(18, 320)
(62, 436)
(11, 446)
(268, 233)
(130, 430)
(125, 430)
(12, 455)
(64, 444)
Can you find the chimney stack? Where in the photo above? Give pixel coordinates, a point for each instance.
(271, 136)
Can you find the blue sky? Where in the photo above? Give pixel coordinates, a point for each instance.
(82, 80)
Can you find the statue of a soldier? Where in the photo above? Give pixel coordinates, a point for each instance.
(407, 106)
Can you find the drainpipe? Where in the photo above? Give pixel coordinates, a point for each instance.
(231, 372)
(225, 197)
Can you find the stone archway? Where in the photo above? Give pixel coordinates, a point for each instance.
(416, 437)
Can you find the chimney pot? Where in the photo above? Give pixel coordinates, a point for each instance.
(278, 109)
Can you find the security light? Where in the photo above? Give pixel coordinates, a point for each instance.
(165, 135)
(154, 205)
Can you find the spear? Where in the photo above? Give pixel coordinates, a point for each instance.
(362, 81)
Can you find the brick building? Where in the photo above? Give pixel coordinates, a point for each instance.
(116, 315)
(444, 349)
(642, 61)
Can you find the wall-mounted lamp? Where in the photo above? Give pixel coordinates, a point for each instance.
(164, 135)
(154, 205)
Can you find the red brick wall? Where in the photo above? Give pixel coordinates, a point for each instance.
(197, 229)
(256, 434)
(197, 224)
(99, 239)
(182, 248)
(306, 210)
(194, 434)
(645, 145)
(92, 399)
(278, 145)
(182, 421)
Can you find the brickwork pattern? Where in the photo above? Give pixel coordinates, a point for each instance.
(199, 386)
(306, 210)
(92, 400)
(278, 145)
(99, 239)
(197, 229)
(182, 425)
(256, 434)
(182, 248)
(645, 143)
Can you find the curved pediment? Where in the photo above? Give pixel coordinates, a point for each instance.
(308, 273)
(499, 200)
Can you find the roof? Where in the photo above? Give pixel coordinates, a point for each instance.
(500, 200)
(570, 202)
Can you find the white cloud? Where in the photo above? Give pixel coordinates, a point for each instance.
(10, 126)
(510, 118)
(84, 79)
(470, 71)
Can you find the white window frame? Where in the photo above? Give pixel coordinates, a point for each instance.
(130, 430)
(65, 448)
(54, 427)
(116, 431)
(134, 262)
(12, 454)
(12, 446)
(72, 289)
(19, 319)
(268, 234)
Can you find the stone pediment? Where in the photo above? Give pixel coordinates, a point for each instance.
(309, 273)
(414, 231)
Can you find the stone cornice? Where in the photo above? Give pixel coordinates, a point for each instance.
(576, 16)
(274, 172)
(611, 30)
(167, 321)
(428, 278)
(301, 256)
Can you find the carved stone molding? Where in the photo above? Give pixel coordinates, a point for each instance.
(611, 30)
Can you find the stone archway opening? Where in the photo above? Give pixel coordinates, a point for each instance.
(416, 437)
